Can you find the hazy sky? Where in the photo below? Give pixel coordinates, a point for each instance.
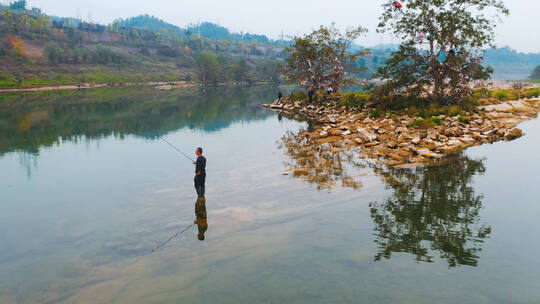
(519, 30)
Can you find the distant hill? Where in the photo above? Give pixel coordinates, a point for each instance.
(147, 42)
(216, 32)
(386, 47)
(147, 22)
(507, 63)
(510, 64)
(206, 29)
(44, 50)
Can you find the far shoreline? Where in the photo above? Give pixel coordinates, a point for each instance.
(161, 85)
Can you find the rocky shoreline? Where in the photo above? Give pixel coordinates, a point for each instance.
(394, 141)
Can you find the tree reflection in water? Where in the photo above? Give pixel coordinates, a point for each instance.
(322, 163)
(431, 209)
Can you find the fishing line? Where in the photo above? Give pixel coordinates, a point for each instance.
(174, 147)
(177, 233)
(164, 243)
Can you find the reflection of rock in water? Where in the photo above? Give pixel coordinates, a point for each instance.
(201, 221)
(431, 209)
(322, 163)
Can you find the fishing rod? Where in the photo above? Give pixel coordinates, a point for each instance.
(174, 147)
(163, 243)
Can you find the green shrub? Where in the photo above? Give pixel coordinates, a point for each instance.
(436, 121)
(320, 95)
(103, 55)
(298, 96)
(354, 99)
(375, 113)
(453, 111)
(412, 111)
(530, 93)
(434, 109)
(501, 95)
(462, 119)
(422, 124)
(53, 52)
(416, 123)
(504, 95)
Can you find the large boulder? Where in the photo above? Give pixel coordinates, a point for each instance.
(513, 134)
(369, 136)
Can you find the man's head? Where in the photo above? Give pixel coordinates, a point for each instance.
(198, 151)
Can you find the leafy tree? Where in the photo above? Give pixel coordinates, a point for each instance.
(270, 71)
(15, 44)
(223, 67)
(115, 27)
(21, 4)
(240, 70)
(207, 66)
(536, 73)
(21, 23)
(52, 52)
(34, 25)
(442, 45)
(322, 58)
(104, 55)
(8, 17)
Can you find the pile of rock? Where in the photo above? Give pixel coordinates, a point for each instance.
(394, 142)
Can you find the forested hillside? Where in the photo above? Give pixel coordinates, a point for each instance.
(36, 49)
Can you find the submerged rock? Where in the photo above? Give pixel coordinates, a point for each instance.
(513, 134)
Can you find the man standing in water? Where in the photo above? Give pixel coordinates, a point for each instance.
(200, 172)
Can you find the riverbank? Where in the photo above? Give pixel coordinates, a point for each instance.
(177, 84)
(402, 140)
(170, 85)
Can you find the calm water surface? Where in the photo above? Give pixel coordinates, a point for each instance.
(88, 192)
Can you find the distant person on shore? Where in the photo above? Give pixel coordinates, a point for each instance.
(279, 95)
(200, 172)
(329, 90)
(310, 94)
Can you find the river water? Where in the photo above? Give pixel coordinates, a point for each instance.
(93, 205)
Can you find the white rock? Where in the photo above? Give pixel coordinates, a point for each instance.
(453, 142)
(467, 139)
(366, 134)
(428, 153)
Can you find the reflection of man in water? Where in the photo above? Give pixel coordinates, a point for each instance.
(200, 172)
(200, 213)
